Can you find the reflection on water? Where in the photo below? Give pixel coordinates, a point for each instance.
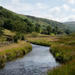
(37, 62)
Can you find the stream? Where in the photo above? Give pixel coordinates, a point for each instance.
(37, 62)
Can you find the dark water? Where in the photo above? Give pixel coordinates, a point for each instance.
(37, 62)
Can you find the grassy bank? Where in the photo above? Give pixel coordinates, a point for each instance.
(39, 41)
(65, 69)
(63, 49)
(13, 51)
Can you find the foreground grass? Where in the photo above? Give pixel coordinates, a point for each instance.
(63, 48)
(65, 69)
(13, 51)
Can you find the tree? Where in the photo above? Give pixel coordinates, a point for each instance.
(15, 39)
(49, 29)
(8, 24)
(37, 29)
(1, 31)
(56, 28)
(54, 31)
(67, 31)
(44, 31)
(23, 38)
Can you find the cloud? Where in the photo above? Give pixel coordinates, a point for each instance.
(17, 6)
(62, 18)
(41, 14)
(54, 10)
(73, 10)
(66, 7)
(71, 1)
(67, 18)
(40, 10)
(15, 1)
(41, 6)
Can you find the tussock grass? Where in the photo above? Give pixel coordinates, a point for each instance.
(63, 53)
(65, 69)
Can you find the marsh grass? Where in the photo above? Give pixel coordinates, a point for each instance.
(63, 49)
(39, 41)
(63, 53)
(65, 69)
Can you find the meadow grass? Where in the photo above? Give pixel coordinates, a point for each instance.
(39, 41)
(14, 50)
(2, 39)
(63, 49)
(8, 32)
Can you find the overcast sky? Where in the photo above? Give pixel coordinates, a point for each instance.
(59, 10)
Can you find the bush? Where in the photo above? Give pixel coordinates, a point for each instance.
(15, 39)
(23, 38)
(34, 34)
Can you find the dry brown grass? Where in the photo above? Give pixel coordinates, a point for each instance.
(49, 39)
(8, 32)
(13, 45)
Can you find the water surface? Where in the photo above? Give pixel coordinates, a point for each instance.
(37, 62)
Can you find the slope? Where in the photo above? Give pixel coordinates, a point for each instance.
(71, 25)
(12, 22)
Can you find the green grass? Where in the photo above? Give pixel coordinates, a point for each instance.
(2, 39)
(65, 69)
(63, 53)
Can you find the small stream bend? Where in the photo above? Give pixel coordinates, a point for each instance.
(37, 62)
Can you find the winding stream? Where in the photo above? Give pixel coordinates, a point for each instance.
(37, 62)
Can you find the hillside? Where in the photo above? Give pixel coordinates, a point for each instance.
(71, 25)
(42, 22)
(14, 23)
(27, 24)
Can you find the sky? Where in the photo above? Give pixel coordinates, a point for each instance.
(58, 10)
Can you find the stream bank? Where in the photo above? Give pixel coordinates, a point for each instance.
(13, 51)
(37, 62)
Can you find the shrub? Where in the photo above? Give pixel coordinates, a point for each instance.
(15, 39)
(34, 34)
(23, 38)
(70, 43)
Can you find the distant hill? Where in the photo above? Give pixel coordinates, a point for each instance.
(42, 22)
(71, 25)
